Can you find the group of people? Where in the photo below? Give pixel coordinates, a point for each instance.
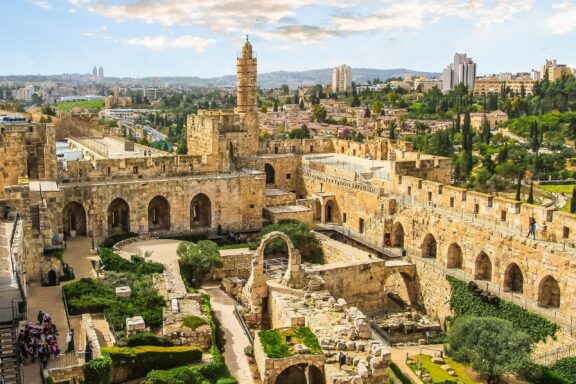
(40, 341)
(532, 229)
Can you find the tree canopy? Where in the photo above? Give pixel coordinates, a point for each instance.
(198, 259)
(492, 346)
(300, 234)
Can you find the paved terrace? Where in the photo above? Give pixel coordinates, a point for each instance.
(111, 148)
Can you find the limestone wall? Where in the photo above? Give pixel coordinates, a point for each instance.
(337, 252)
(235, 263)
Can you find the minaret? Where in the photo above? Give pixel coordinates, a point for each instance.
(247, 90)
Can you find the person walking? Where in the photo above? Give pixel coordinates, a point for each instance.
(531, 228)
(342, 359)
(70, 341)
(40, 317)
(88, 352)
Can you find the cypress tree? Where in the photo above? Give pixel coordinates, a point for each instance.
(531, 194)
(573, 201)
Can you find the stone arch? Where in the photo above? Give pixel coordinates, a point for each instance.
(158, 214)
(429, 246)
(256, 290)
(454, 257)
(483, 267)
(270, 174)
(397, 235)
(74, 218)
(549, 292)
(300, 374)
(513, 279)
(401, 284)
(118, 216)
(200, 212)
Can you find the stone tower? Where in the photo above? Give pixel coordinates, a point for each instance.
(247, 88)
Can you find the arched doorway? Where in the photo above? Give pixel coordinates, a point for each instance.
(329, 211)
(454, 257)
(318, 210)
(158, 214)
(513, 279)
(118, 216)
(549, 293)
(74, 219)
(300, 374)
(52, 278)
(397, 235)
(200, 212)
(270, 174)
(483, 267)
(400, 290)
(429, 246)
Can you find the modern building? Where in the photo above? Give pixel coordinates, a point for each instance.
(100, 72)
(461, 71)
(554, 71)
(493, 85)
(342, 78)
(24, 93)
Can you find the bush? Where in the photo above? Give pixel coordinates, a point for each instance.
(193, 322)
(98, 371)
(139, 339)
(143, 359)
(193, 237)
(465, 302)
(399, 374)
(137, 264)
(250, 246)
(216, 372)
(274, 345)
(111, 240)
(565, 369)
(88, 296)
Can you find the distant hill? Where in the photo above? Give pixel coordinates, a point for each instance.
(318, 76)
(265, 80)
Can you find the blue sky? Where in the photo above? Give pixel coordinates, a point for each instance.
(201, 37)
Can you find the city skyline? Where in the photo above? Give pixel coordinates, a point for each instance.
(190, 38)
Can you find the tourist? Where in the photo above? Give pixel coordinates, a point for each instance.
(40, 317)
(70, 341)
(544, 231)
(88, 352)
(531, 228)
(342, 359)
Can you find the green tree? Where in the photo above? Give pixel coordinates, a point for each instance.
(531, 193)
(198, 259)
(355, 101)
(377, 107)
(319, 113)
(492, 346)
(302, 237)
(301, 105)
(486, 134)
(392, 129)
(573, 201)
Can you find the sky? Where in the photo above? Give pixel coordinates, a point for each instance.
(137, 38)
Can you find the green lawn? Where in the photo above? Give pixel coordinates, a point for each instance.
(440, 376)
(560, 188)
(88, 104)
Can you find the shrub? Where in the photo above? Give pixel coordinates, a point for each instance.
(143, 359)
(274, 345)
(193, 322)
(98, 371)
(465, 302)
(565, 369)
(111, 240)
(309, 339)
(113, 262)
(140, 339)
(193, 237)
(88, 296)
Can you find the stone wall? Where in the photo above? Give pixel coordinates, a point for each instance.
(337, 252)
(235, 263)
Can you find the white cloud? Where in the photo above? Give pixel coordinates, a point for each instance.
(41, 4)
(563, 18)
(89, 34)
(301, 33)
(199, 44)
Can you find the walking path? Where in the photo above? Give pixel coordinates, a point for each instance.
(236, 340)
(49, 299)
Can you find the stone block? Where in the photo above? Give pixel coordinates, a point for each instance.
(135, 324)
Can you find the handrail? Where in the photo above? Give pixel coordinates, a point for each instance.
(244, 326)
(66, 307)
(553, 355)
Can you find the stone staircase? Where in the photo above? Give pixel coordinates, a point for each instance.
(9, 359)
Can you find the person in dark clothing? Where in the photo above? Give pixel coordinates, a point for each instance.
(40, 317)
(88, 352)
(70, 341)
(342, 359)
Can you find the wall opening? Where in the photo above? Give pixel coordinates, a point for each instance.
(118, 216)
(200, 212)
(549, 293)
(483, 267)
(74, 219)
(454, 257)
(270, 174)
(158, 214)
(397, 235)
(429, 246)
(513, 279)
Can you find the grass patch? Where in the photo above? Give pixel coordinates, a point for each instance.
(193, 322)
(250, 246)
(275, 346)
(87, 104)
(438, 375)
(558, 188)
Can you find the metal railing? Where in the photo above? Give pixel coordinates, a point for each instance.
(244, 326)
(552, 356)
(65, 302)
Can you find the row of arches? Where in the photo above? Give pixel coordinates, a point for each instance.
(548, 288)
(74, 216)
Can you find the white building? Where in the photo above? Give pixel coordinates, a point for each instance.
(24, 93)
(461, 71)
(342, 79)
